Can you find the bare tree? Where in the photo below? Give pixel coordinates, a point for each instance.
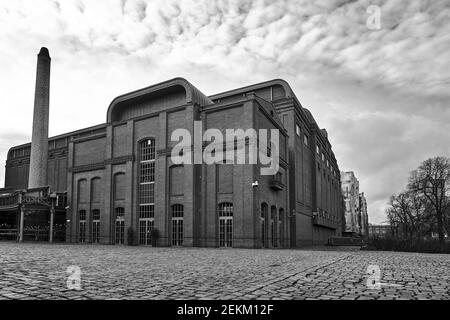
(432, 181)
(408, 213)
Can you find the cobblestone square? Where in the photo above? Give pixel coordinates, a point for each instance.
(40, 271)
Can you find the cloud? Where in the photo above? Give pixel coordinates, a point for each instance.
(381, 94)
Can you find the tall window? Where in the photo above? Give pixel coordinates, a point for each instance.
(82, 219)
(120, 225)
(273, 229)
(280, 227)
(264, 212)
(96, 226)
(147, 157)
(226, 225)
(177, 225)
(297, 130)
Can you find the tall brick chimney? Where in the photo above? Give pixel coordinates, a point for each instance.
(39, 141)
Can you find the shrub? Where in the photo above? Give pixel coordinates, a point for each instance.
(130, 236)
(407, 245)
(155, 237)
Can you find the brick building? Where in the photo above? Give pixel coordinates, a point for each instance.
(120, 186)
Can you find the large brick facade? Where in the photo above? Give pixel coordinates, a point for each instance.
(101, 169)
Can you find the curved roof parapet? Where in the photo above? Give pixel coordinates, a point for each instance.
(193, 95)
(287, 89)
(309, 115)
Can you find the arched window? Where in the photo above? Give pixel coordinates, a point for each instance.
(177, 225)
(82, 221)
(147, 159)
(226, 209)
(82, 215)
(120, 225)
(264, 213)
(177, 211)
(96, 226)
(226, 225)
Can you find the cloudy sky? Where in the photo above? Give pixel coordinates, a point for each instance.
(383, 95)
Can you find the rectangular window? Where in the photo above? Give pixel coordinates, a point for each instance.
(95, 226)
(297, 130)
(305, 139)
(96, 231)
(147, 157)
(318, 150)
(146, 211)
(147, 193)
(147, 172)
(120, 231)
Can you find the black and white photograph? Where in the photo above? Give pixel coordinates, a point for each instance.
(230, 157)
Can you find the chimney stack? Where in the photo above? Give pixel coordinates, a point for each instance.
(39, 141)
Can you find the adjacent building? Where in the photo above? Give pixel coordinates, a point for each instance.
(381, 231)
(116, 183)
(363, 215)
(355, 206)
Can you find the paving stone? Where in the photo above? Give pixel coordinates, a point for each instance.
(39, 271)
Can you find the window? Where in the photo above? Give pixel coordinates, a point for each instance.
(146, 194)
(226, 225)
(82, 215)
(96, 226)
(318, 150)
(280, 227)
(297, 130)
(147, 150)
(146, 211)
(82, 221)
(96, 215)
(120, 225)
(273, 213)
(177, 225)
(305, 139)
(323, 157)
(226, 210)
(264, 212)
(147, 158)
(145, 231)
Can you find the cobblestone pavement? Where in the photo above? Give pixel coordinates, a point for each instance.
(39, 271)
